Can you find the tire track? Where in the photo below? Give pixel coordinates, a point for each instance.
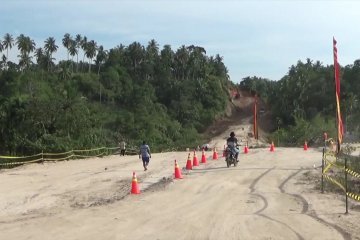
(342, 232)
(298, 196)
(266, 204)
(252, 191)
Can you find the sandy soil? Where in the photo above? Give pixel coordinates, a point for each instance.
(269, 195)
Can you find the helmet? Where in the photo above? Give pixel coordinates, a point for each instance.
(232, 134)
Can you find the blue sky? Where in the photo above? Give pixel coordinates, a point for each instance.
(256, 38)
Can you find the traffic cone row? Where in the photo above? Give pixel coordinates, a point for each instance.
(189, 165)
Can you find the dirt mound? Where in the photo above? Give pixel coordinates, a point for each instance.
(239, 118)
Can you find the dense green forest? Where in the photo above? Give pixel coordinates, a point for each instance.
(96, 97)
(303, 102)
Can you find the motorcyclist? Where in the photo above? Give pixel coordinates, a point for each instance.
(232, 144)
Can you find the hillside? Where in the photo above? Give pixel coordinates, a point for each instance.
(239, 118)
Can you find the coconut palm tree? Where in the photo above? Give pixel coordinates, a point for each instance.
(3, 62)
(73, 51)
(91, 51)
(78, 40)
(66, 42)
(50, 47)
(8, 43)
(39, 55)
(100, 57)
(83, 45)
(25, 46)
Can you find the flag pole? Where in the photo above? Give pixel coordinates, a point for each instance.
(339, 122)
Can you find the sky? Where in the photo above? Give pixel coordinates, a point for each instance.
(260, 38)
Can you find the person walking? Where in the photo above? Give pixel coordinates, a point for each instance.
(145, 154)
(122, 145)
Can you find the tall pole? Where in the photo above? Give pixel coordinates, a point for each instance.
(346, 188)
(256, 118)
(322, 171)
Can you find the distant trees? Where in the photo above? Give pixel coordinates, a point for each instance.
(135, 92)
(307, 94)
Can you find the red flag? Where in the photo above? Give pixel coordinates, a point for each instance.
(337, 93)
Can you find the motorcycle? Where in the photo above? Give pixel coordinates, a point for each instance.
(230, 157)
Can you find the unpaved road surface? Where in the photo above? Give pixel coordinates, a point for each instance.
(269, 195)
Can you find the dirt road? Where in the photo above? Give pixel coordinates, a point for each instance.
(269, 195)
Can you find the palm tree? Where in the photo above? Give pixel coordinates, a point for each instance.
(78, 40)
(39, 54)
(83, 45)
(25, 46)
(135, 54)
(22, 44)
(73, 51)
(25, 61)
(8, 43)
(64, 73)
(3, 61)
(66, 42)
(50, 47)
(1, 49)
(181, 60)
(100, 57)
(91, 52)
(40, 59)
(151, 58)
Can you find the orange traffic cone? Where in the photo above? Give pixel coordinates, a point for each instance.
(188, 163)
(215, 155)
(177, 171)
(305, 146)
(195, 160)
(134, 185)
(203, 157)
(272, 147)
(246, 149)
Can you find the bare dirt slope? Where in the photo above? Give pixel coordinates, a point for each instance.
(240, 120)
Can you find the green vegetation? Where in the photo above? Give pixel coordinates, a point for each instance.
(302, 103)
(96, 97)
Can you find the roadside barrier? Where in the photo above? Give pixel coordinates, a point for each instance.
(13, 161)
(336, 171)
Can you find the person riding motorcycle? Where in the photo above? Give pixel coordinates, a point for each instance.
(232, 144)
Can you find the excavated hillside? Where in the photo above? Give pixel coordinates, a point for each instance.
(239, 118)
